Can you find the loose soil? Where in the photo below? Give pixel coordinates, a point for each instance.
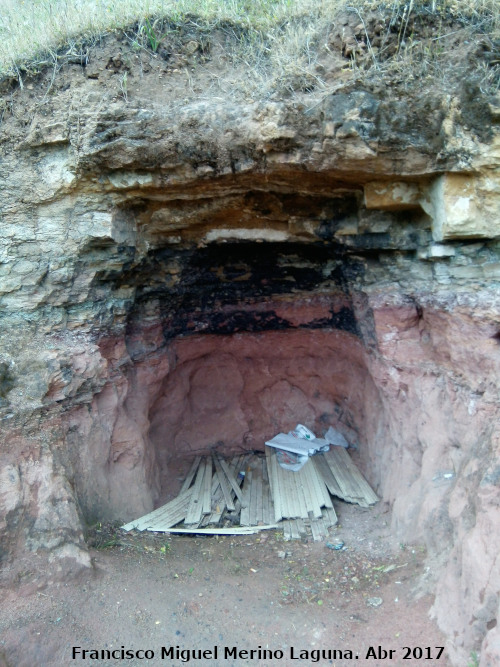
(250, 592)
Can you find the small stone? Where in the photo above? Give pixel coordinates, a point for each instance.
(374, 602)
(191, 47)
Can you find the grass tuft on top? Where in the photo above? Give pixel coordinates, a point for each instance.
(282, 37)
(32, 30)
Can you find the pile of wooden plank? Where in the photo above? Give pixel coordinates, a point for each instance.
(211, 496)
(343, 478)
(300, 499)
(251, 492)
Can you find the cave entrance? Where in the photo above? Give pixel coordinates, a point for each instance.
(225, 396)
(248, 315)
(231, 393)
(257, 337)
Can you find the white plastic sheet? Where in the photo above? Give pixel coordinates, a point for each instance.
(334, 437)
(294, 448)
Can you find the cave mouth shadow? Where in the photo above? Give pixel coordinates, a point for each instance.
(233, 392)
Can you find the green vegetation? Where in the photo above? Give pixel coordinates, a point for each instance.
(154, 38)
(473, 660)
(279, 36)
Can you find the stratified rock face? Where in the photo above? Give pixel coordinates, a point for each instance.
(175, 282)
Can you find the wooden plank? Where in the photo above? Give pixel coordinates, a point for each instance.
(330, 516)
(258, 499)
(265, 474)
(359, 481)
(304, 489)
(269, 466)
(252, 510)
(323, 527)
(266, 493)
(236, 530)
(236, 464)
(273, 477)
(307, 489)
(267, 508)
(226, 489)
(218, 502)
(321, 488)
(234, 516)
(314, 530)
(245, 511)
(318, 530)
(346, 469)
(342, 477)
(231, 478)
(279, 499)
(301, 498)
(326, 474)
(192, 472)
(254, 490)
(314, 506)
(294, 530)
(321, 491)
(266, 503)
(288, 498)
(353, 486)
(174, 517)
(287, 530)
(293, 495)
(299, 491)
(195, 508)
(302, 484)
(161, 513)
(207, 488)
(215, 485)
(282, 487)
(205, 520)
(301, 526)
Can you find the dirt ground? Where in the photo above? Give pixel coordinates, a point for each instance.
(245, 593)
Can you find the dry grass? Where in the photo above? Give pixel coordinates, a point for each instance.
(278, 36)
(31, 29)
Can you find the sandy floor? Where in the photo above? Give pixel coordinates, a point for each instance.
(244, 593)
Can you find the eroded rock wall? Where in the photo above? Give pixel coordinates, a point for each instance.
(251, 263)
(437, 376)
